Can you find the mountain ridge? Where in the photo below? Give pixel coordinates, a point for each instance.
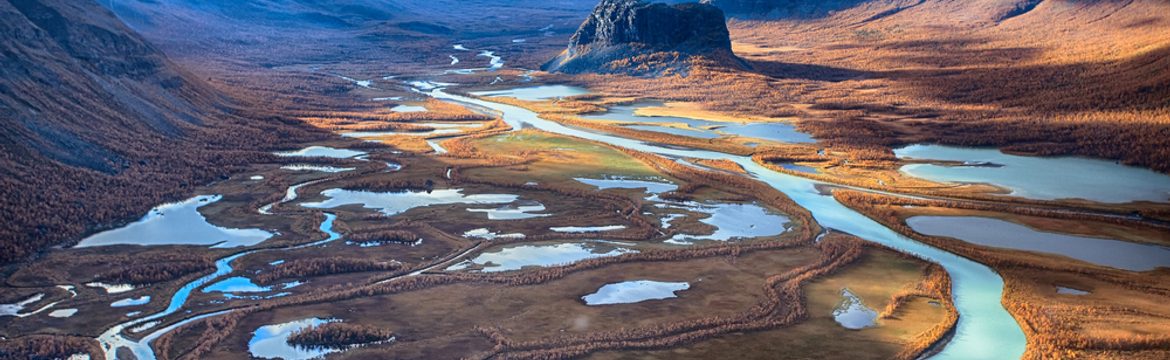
(100, 125)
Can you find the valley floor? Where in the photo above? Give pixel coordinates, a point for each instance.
(479, 209)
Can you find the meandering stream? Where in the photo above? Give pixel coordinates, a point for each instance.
(112, 340)
(985, 330)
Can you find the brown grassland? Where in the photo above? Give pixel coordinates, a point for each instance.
(1122, 317)
(1068, 77)
(343, 281)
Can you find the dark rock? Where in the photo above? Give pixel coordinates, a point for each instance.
(640, 37)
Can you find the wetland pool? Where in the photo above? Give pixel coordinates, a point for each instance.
(516, 257)
(733, 221)
(1042, 178)
(635, 291)
(704, 129)
(985, 330)
(393, 203)
(852, 313)
(1009, 235)
(177, 224)
(322, 151)
(537, 93)
(271, 341)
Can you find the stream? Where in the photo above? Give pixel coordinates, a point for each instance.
(985, 330)
(112, 340)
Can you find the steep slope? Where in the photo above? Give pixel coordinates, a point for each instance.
(983, 10)
(1052, 77)
(275, 53)
(99, 125)
(639, 37)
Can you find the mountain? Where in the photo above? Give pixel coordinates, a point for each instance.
(645, 38)
(98, 125)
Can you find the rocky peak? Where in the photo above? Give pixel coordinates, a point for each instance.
(638, 36)
(654, 25)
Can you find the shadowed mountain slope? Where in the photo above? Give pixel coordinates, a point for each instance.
(100, 126)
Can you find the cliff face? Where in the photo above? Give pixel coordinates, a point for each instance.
(639, 37)
(657, 26)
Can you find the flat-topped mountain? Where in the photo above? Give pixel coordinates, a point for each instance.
(646, 38)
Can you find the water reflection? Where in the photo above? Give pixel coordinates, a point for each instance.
(235, 284)
(322, 151)
(984, 330)
(142, 300)
(537, 93)
(852, 313)
(734, 221)
(629, 292)
(307, 167)
(1045, 178)
(517, 211)
(1005, 234)
(705, 129)
(392, 203)
(408, 108)
(586, 229)
(177, 224)
(1070, 291)
(271, 341)
(515, 257)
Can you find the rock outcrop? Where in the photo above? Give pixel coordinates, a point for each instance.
(647, 38)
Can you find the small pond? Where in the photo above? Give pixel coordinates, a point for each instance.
(629, 292)
(392, 203)
(439, 129)
(516, 257)
(652, 187)
(735, 221)
(138, 301)
(235, 284)
(1070, 291)
(586, 229)
(487, 234)
(322, 151)
(852, 313)
(517, 211)
(320, 168)
(408, 108)
(271, 341)
(177, 224)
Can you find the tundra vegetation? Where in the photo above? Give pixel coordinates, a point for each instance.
(1038, 80)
